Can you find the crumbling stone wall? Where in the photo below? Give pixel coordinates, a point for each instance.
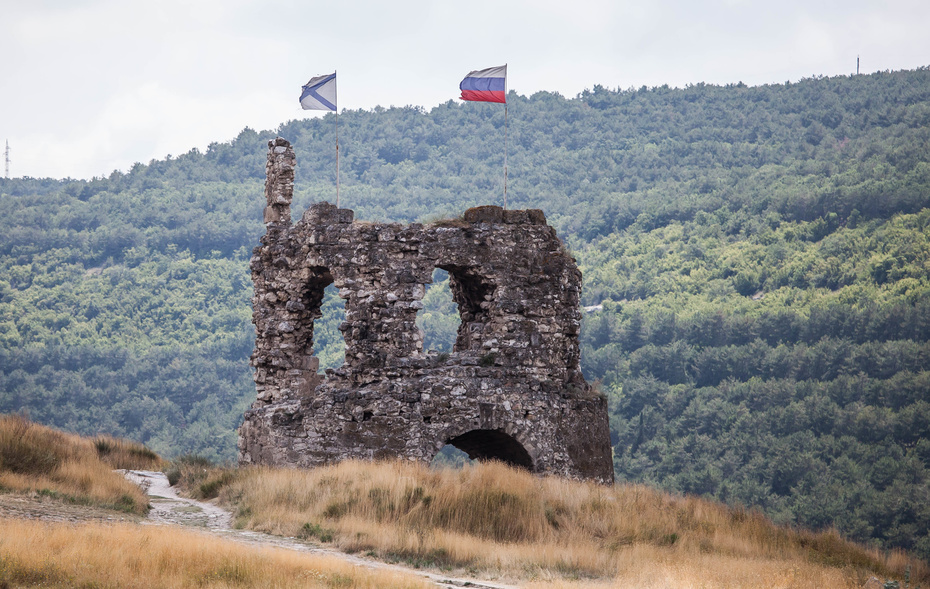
(510, 390)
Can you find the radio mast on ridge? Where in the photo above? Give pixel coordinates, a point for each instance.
(6, 160)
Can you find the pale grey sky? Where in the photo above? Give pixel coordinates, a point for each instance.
(89, 86)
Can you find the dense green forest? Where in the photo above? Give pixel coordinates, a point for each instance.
(756, 279)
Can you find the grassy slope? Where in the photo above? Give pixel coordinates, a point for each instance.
(34, 554)
(489, 519)
(498, 520)
(38, 459)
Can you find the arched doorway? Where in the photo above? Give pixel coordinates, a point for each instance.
(487, 444)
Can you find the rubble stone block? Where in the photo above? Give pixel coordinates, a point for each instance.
(484, 214)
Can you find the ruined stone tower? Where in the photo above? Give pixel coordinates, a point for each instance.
(511, 389)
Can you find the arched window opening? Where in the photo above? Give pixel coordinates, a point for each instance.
(450, 457)
(438, 318)
(472, 293)
(485, 444)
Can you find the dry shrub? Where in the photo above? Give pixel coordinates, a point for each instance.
(198, 477)
(508, 521)
(124, 555)
(39, 459)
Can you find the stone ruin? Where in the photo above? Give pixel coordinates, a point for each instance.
(510, 390)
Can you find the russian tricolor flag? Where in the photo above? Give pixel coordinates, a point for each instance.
(489, 85)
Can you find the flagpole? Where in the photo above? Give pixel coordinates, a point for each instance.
(315, 95)
(489, 85)
(505, 155)
(337, 152)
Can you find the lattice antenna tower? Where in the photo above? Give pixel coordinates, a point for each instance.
(6, 160)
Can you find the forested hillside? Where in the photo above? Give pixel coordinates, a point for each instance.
(756, 264)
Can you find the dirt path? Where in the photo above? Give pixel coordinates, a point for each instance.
(170, 509)
(37, 507)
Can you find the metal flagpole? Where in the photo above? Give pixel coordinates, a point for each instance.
(337, 151)
(505, 156)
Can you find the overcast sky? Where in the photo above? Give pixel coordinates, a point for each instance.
(89, 86)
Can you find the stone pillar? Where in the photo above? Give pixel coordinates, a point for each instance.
(279, 182)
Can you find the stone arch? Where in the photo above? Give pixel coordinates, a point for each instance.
(493, 444)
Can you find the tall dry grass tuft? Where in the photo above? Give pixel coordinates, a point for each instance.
(499, 519)
(94, 555)
(39, 459)
(126, 454)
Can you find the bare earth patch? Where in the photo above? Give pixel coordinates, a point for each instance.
(39, 507)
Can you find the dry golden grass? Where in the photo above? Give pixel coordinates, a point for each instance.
(648, 567)
(125, 555)
(35, 458)
(493, 518)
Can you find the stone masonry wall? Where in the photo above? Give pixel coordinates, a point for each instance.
(510, 390)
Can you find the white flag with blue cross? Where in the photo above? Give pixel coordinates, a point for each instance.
(319, 93)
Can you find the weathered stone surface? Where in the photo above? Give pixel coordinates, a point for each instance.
(511, 389)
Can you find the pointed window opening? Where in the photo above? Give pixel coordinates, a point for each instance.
(460, 288)
(473, 294)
